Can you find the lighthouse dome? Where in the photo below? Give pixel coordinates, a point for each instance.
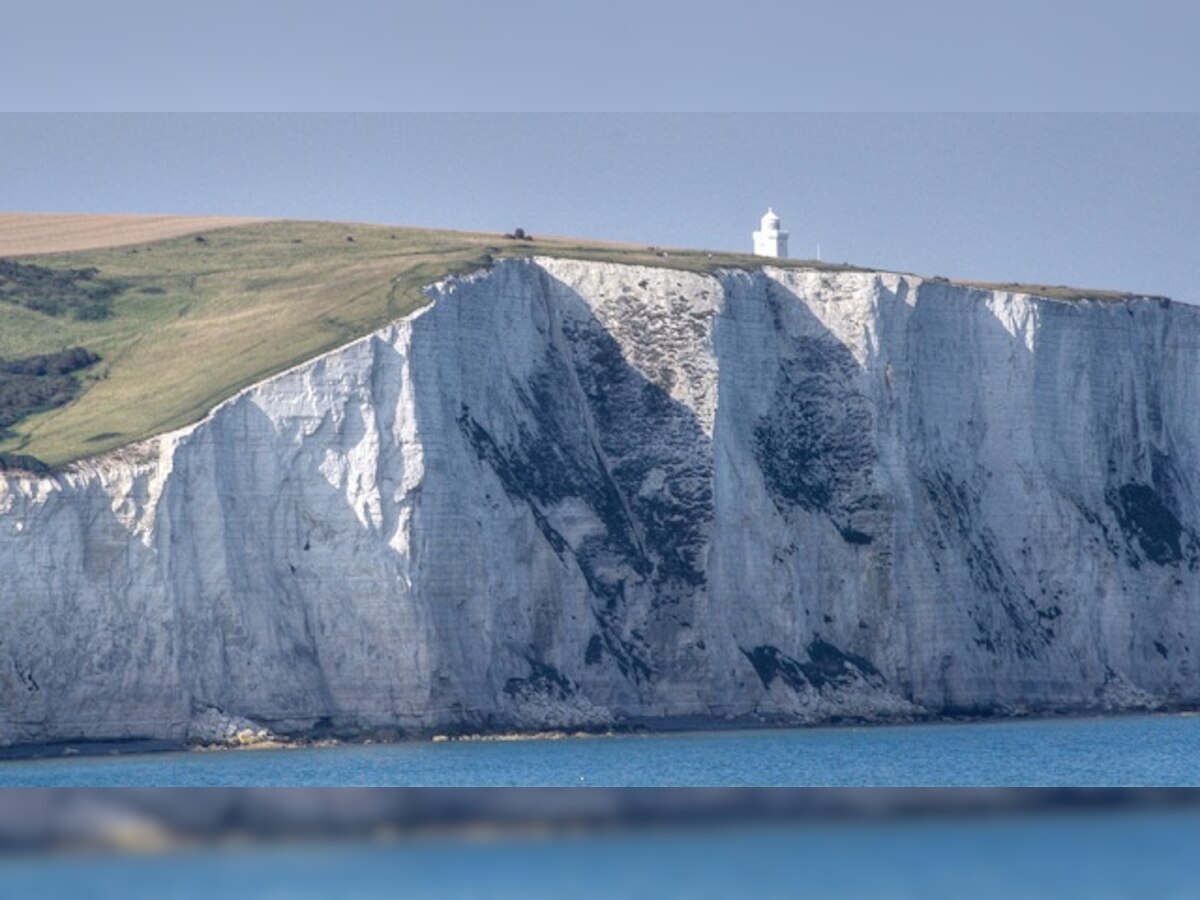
(770, 221)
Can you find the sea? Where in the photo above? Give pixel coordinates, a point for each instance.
(1149, 750)
(1103, 855)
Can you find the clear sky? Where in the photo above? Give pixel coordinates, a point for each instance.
(618, 55)
(1109, 201)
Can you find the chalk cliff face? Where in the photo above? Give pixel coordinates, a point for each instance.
(572, 493)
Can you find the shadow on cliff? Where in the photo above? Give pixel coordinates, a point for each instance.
(977, 649)
(794, 401)
(980, 625)
(616, 475)
(1010, 608)
(593, 423)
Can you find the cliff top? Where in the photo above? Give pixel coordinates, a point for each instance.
(116, 328)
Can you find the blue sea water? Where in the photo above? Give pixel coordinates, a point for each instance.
(1109, 855)
(1132, 750)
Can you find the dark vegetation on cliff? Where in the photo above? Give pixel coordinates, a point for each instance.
(78, 293)
(41, 382)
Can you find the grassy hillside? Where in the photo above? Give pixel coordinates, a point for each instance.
(181, 324)
(196, 318)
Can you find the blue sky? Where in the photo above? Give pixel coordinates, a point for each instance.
(593, 55)
(1108, 201)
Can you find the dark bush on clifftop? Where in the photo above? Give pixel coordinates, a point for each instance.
(23, 463)
(38, 383)
(79, 293)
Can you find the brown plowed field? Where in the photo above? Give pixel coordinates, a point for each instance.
(22, 234)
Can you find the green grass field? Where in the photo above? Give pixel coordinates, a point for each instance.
(197, 320)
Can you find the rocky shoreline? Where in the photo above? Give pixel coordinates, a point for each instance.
(258, 738)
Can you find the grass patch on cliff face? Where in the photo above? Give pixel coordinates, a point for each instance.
(184, 323)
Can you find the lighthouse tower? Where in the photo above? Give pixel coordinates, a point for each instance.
(769, 240)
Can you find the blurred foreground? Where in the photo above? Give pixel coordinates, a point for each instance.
(599, 843)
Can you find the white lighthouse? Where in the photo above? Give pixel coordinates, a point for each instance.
(769, 240)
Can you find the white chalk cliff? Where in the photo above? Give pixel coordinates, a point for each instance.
(571, 493)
